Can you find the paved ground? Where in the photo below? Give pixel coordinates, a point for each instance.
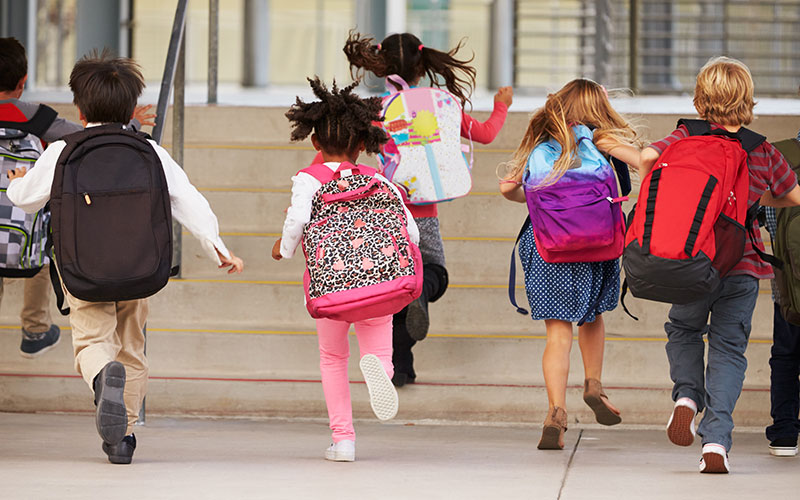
(59, 456)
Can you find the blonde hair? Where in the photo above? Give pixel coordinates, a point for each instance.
(580, 101)
(724, 92)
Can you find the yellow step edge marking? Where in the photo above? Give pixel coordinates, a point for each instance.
(434, 335)
(277, 190)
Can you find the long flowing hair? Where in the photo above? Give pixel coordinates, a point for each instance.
(579, 102)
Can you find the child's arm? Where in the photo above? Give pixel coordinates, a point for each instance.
(511, 187)
(304, 186)
(30, 190)
(790, 199)
(486, 132)
(647, 159)
(191, 209)
(624, 152)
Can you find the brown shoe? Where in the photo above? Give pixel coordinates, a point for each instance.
(597, 400)
(555, 425)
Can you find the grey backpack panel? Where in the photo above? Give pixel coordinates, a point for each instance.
(22, 236)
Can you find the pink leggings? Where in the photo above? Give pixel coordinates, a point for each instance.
(374, 337)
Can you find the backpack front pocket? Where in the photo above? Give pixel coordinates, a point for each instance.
(576, 222)
(132, 253)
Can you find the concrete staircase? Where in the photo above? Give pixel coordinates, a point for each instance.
(246, 346)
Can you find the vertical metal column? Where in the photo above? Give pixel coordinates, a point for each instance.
(633, 47)
(31, 45)
(178, 121)
(602, 41)
(175, 42)
(501, 70)
(396, 15)
(213, 49)
(256, 43)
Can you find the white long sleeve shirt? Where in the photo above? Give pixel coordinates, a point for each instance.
(304, 187)
(32, 192)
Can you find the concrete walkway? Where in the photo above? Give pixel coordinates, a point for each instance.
(58, 456)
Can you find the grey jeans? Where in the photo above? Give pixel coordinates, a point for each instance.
(731, 308)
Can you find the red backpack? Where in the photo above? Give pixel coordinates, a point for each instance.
(689, 225)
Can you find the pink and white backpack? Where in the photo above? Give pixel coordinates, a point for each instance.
(360, 262)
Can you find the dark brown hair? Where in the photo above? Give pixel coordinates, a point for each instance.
(106, 88)
(341, 119)
(405, 55)
(13, 64)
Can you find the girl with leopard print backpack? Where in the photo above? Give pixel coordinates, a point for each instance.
(360, 243)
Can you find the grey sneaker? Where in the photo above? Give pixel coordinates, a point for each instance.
(35, 344)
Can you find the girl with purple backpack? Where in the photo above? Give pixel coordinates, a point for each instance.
(359, 242)
(572, 266)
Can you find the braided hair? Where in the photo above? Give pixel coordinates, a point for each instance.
(341, 119)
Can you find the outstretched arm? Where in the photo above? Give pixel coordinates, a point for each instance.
(624, 152)
(485, 132)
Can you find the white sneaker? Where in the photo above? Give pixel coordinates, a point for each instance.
(680, 428)
(343, 451)
(715, 459)
(382, 394)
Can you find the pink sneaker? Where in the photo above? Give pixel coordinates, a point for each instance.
(680, 428)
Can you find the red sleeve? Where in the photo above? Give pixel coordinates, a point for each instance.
(783, 178)
(678, 134)
(487, 131)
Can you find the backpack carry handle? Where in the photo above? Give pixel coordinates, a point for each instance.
(355, 194)
(398, 80)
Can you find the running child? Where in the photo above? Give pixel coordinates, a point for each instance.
(723, 97)
(568, 292)
(405, 55)
(107, 336)
(341, 127)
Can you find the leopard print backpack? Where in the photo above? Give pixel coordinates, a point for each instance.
(360, 263)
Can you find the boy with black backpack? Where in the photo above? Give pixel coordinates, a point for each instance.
(113, 193)
(24, 127)
(724, 100)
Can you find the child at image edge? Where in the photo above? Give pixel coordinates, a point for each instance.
(723, 97)
(341, 127)
(564, 293)
(107, 337)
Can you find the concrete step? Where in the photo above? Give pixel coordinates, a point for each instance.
(458, 379)
(230, 304)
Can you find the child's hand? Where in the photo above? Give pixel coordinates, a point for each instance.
(141, 113)
(276, 250)
(17, 173)
(235, 263)
(504, 95)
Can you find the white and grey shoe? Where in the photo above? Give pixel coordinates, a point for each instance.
(680, 428)
(382, 394)
(343, 451)
(715, 459)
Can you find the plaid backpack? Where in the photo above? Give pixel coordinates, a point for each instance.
(360, 263)
(22, 236)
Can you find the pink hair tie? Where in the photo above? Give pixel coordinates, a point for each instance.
(379, 47)
(604, 90)
(421, 47)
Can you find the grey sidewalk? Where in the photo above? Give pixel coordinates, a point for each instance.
(59, 456)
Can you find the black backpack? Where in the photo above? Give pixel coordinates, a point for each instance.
(111, 220)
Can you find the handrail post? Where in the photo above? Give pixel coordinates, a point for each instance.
(178, 121)
(633, 47)
(175, 41)
(213, 49)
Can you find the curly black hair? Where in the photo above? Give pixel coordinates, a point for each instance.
(341, 119)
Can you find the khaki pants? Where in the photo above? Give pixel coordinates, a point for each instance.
(35, 315)
(111, 331)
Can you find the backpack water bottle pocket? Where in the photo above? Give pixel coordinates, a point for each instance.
(576, 222)
(134, 256)
(729, 238)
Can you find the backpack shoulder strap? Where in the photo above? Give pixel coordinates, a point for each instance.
(512, 271)
(319, 172)
(750, 140)
(695, 127)
(38, 124)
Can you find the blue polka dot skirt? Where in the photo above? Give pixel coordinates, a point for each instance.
(567, 291)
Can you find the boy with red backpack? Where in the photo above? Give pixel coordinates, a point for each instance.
(724, 99)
